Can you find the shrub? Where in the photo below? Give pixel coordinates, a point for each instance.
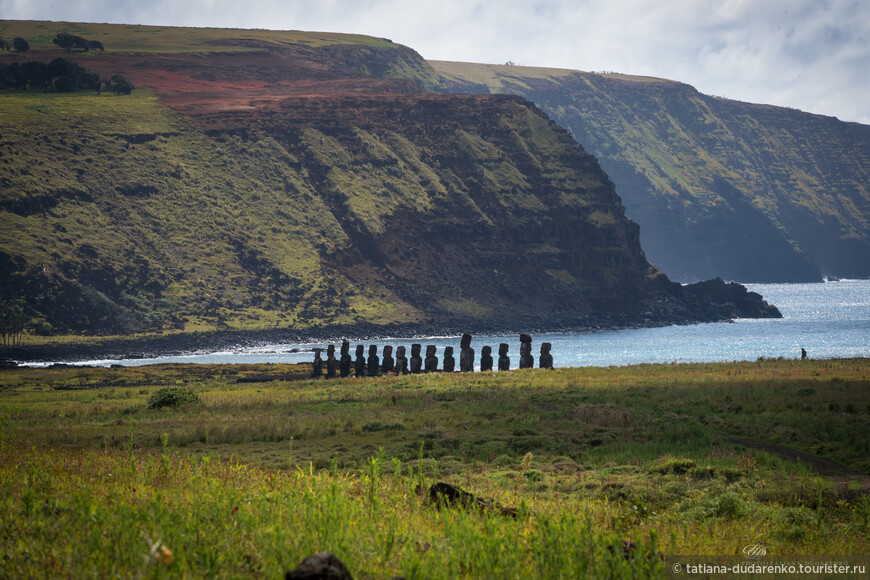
(172, 397)
(534, 475)
(378, 426)
(675, 465)
(707, 472)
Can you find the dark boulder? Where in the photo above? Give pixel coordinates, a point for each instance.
(445, 494)
(320, 566)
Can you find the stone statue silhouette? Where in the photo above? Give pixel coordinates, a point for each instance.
(401, 361)
(466, 354)
(416, 360)
(345, 361)
(526, 359)
(330, 361)
(388, 363)
(317, 370)
(374, 361)
(504, 362)
(449, 360)
(359, 365)
(486, 358)
(431, 363)
(546, 361)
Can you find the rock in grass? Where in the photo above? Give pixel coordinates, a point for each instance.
(445, 494)
(320, 566)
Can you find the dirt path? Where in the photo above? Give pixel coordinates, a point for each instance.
(826, 467)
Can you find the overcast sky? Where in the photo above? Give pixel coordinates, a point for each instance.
(813, 55)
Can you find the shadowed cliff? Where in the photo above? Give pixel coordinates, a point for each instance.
(719, 187)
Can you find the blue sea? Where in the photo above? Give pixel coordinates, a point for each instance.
(829, 320)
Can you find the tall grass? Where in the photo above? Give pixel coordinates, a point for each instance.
(257, 476)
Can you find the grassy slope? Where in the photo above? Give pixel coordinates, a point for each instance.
(391, 60)
(171, 201)
(169, 39)
(121, 215)
(591, 456)
(694, 170)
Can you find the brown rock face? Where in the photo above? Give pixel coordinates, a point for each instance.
(452, 195)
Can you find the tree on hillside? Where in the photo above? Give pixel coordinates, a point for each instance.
(95, 45)
(63, 40)
(4, 45)
(68, 41)
(119, 85)
(59, 75)
(12, 323)
(20, 45)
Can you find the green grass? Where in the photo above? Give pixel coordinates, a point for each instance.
(169, 39)
(122, 216)
(260, 474)
(164, 253)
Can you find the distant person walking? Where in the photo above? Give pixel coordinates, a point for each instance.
(803, 354)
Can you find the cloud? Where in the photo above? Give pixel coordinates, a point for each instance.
(808, 54)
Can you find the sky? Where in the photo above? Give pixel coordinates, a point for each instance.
(812, 55)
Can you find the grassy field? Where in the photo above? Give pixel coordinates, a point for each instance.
(269, 467)
(168, 39)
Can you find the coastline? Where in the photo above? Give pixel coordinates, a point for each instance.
(213, 341)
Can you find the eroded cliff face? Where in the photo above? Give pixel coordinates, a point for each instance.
(718, 187)
(463, 206)
(304, 181)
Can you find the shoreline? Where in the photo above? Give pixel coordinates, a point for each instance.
(215, 341)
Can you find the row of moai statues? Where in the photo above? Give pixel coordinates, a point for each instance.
(401, 365)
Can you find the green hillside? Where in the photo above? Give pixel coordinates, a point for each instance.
(261, 180)
(719, 187)
(121, 215)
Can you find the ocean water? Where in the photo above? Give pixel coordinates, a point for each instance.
(829, 320)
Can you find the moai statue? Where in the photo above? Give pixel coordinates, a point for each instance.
(546, 361)
(449, 361)
(416, 360)
(359, 365)
(466, 354)
(504, 362)
(486, 358)
(431, 363)
(330, 361)
(374, 361)
(317, 371)
(526, 359)
(345, 361)
(401, 361)
(388, 364)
